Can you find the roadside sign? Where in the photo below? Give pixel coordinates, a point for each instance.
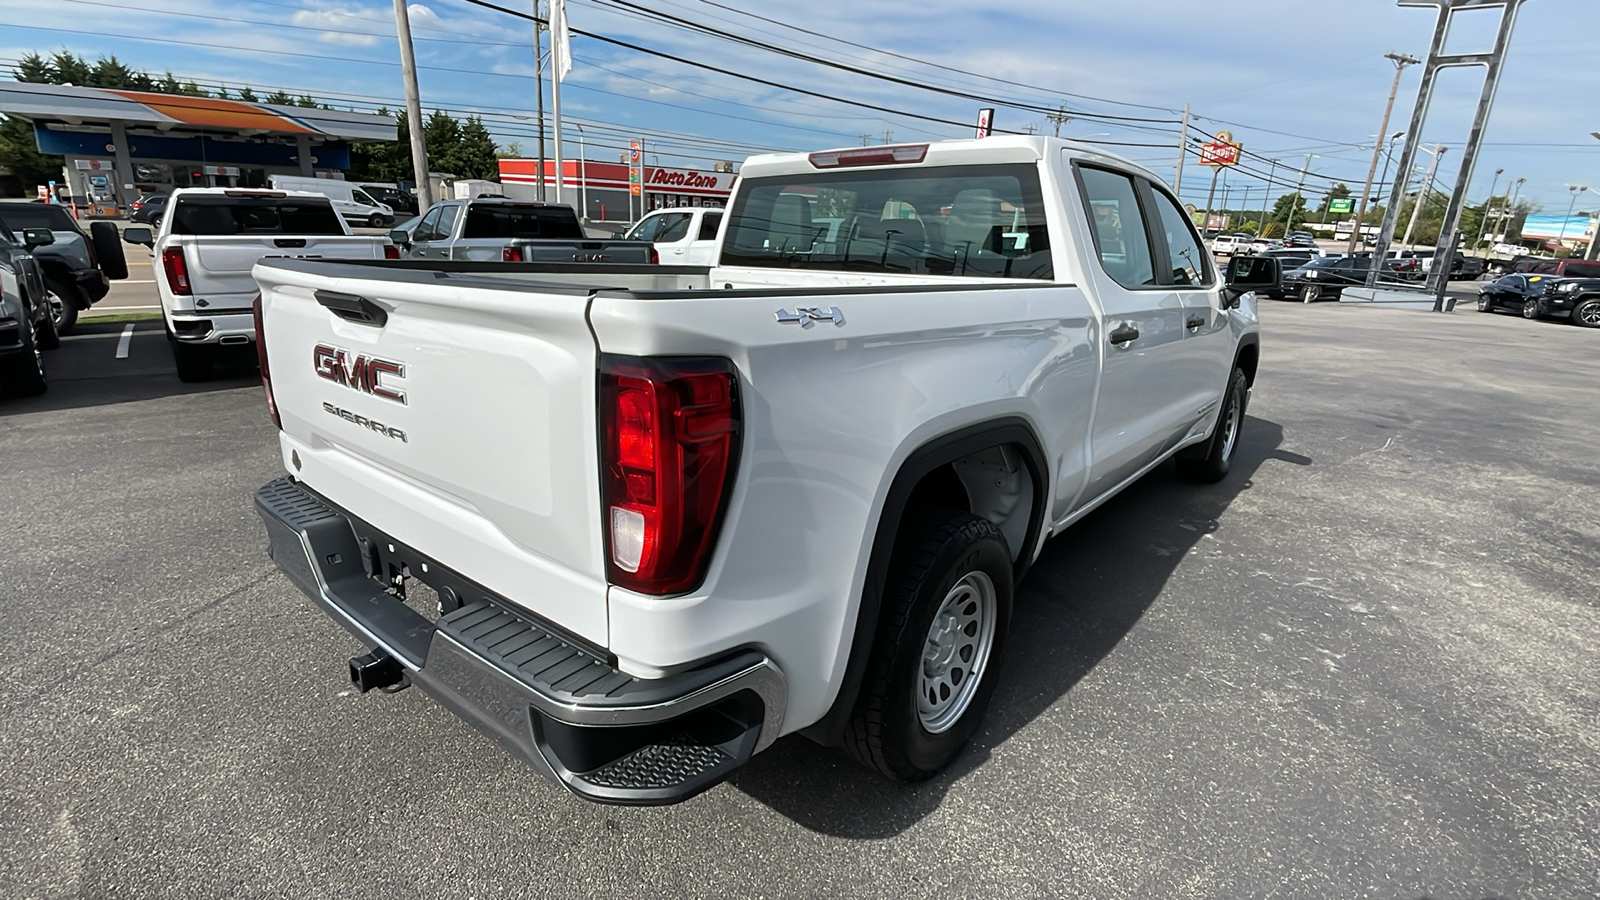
(635, 174)
(1221, 152)
(985, 122)
(1341, 205)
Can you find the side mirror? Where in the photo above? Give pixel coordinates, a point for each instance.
(1250, 273)
(134, 234)
(400, 238)
(37, 237)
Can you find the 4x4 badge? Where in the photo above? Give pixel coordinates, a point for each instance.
(806, 316)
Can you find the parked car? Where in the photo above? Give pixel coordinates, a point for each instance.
(683, 236)
(1563, 268)
(26, 326)
(672, 515)
(1261, 245)
(78, 267)
(1229, 244)
(1326, 278)
(402, 202)
(206, 246)
(1290, 258)
(401, 233)
(148, 208)
(1300, 239)
(1522, 293)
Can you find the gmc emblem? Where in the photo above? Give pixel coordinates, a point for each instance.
(589, 257)
(358, 371)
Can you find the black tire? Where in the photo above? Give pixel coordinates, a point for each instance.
(1485, 304)
(1208, 462)
(47, 335)
(375, 221)
(108, 250)
(1587, 313)
(1310, 293)
(1532, 308)
(65, 301)
(194, 362)
(950, 553)
(22, 373)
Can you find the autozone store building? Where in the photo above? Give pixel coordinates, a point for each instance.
(601, 188)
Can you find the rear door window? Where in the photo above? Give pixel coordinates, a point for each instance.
(447, 221)
(709, 226)
(1187, 262)
(1121, 236)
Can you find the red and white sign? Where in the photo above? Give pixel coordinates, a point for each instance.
(985, 122)
(621, 176)
(1220, 152)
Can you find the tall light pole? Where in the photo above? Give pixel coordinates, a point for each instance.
(1483, 225)
(1594, 242)
(1576, 190)
(1400, 61)
(538, 72)
(408, 74)
(1299, 193)
(1424, 191)
(1266, 213)
(583, 177)
(1509, 211)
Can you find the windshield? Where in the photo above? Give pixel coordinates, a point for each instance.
(506, 221)
(976, 221)
(219, 214)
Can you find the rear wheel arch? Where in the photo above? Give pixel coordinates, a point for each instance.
(936, 474)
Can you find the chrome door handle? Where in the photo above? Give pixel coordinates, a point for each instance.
(1123, 334)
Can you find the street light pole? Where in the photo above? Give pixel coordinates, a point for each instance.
(1594, 242)
(1299, 193)
(1423, 191)
(1577, 191)
(1400, 61)
(1266, 213)
(538, 74)
(1509, 212)
(1484, 224)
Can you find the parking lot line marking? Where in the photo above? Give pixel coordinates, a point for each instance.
(153, 281)
(122, 345)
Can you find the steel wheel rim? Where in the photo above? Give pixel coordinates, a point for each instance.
(1230, 425)
(1589, 313)
(955, 653)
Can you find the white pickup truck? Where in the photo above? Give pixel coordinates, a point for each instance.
(636, 524)
(207, 244)
(682, 236)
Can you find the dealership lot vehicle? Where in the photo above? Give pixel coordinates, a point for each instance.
(26, 326)
(78, 267)
(1577, 299)
(685, 236)
(526, 231)
(659, 632)
(349, 200)
(207, 244)
(1521, 293)
(147, 210)
(1230, 244)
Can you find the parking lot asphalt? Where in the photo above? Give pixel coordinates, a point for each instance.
(1362, 666)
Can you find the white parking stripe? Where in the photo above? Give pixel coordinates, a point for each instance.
(153, 281)
(122, 345)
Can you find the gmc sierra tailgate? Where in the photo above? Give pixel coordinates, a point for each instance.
(219, 266)
(455, 417)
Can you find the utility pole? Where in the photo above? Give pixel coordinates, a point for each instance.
(1509, 211)
(1594, 241)
(408, 74)
(1484, 224)
(1299, 193)
(1266, 211)
(1424, 192)
(1059, 117)
(538, 71)
(1577, 191)
(888, 136)
(1183, 150)
(1400, 61)
(866, 138)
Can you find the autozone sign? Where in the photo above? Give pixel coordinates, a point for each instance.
(1221, 152)
(663, 179)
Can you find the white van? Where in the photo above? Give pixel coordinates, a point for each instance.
(355, 205)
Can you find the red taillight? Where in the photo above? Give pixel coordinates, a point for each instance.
(266, 371)
(177, 270)
(390, 251)
(655, 257)
(511, 254)
(670, 442)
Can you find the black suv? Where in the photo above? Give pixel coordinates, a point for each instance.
(78, 267)
(25, 324)
(1578, 298)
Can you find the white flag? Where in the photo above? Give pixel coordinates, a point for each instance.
(560, 42)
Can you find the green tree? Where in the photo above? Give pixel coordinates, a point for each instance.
(248, 95)
(1280, 209)
(66, 67)
(475, 154)
(441, 135)
(279, 98)
(33, 69)
(20, 153)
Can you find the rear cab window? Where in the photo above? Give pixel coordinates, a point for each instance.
(983, 221)
(508, 220)
(18, 216)
(223, 214)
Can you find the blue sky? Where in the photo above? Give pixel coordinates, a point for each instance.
(1287, 77)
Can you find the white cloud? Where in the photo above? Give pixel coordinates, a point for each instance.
(347, 28)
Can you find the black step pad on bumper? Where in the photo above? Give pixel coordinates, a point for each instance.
(549, 699)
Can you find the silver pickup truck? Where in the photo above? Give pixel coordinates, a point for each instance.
(494, 229)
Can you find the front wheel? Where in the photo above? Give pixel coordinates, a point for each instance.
(375, 221)
(22, 372)
(947, 608)
(1587, 313)
(1311, 293)
(1532, 309)
(1485, 304)
(1208, 462)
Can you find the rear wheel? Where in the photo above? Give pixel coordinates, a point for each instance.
(1485, 304)
(1311, 293)
(1587, 313)
(47, 335)
(194, 362)
(1532, 309)
(376, 220)
(63, 300)
(947, 607)
(22, 373)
